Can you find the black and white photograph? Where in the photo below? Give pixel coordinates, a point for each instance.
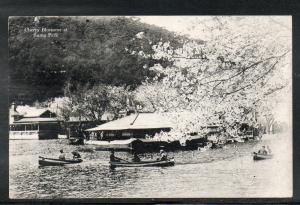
(150, 107)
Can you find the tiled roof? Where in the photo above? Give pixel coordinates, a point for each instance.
(136, 121)
(28, 111)
(36, 119)
(35, 113)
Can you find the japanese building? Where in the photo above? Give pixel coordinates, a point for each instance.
(138, 125)
(33, 123)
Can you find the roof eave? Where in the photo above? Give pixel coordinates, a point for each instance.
(118, 129)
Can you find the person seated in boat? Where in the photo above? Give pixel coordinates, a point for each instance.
(112, 156)
(163, 155)
(62, 155)
(76, 155)
(136, 158)
(269, 150)
(263, 151)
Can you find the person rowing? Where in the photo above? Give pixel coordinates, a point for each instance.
(62, 155)
(136, 158)
(76, 155)
(113, 158)
(163, 155)
(263, 151)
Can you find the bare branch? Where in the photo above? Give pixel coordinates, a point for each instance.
(249, 85)
(247, 68)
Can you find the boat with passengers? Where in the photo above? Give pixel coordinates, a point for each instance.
(163, 161)
(46, 161)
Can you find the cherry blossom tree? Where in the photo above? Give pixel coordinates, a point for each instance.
(223, 80)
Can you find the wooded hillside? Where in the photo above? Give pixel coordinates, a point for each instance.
(89, 50)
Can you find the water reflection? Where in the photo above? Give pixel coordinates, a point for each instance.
(229, 172)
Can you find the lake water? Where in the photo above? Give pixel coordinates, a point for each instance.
(227, 172)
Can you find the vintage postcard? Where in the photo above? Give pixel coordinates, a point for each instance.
(150, 107)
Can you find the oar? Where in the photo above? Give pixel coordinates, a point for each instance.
(122, 159)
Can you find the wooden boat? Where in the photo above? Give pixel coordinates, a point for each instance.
(165, 163)
(257, 156)
(44, 161)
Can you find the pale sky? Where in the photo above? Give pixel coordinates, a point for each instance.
(184, 25)
(194, 25)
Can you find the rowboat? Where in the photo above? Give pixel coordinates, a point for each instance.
(44, 161)
(257, 156)
(164, 163)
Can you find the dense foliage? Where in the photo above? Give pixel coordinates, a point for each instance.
(95, 50)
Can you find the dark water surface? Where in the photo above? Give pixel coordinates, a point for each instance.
(227, 172)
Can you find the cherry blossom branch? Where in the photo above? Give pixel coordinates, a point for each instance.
(249, 85)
